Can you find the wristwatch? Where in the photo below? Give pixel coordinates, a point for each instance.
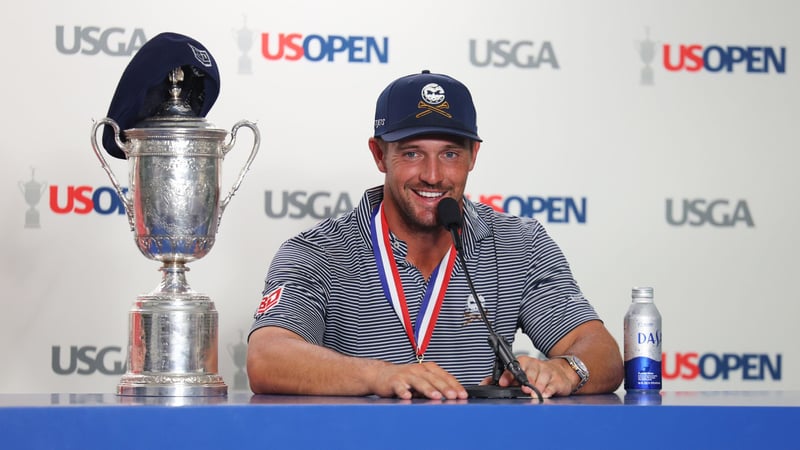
(579, 367)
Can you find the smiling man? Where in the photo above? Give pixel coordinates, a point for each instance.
(372, 302)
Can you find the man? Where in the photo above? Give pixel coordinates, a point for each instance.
(372, 303)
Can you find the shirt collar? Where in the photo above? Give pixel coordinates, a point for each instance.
(475, 228)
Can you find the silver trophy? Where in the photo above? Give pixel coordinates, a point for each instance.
(174, 209)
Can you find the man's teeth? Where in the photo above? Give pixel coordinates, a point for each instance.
(430, 194)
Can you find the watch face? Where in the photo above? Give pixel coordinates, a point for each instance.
(579, 367)
(580, 364)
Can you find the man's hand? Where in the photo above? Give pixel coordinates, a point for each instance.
(281, 362)
(552, 377)
(594, 345)
(417, 380)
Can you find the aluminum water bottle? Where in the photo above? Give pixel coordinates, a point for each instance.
(642, 346)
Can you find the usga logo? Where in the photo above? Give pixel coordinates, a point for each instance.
(88, 359)
(718, 213)
(522, 54)
(301, 204)
(92, 40)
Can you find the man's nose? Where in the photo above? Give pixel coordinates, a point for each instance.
(431, 172)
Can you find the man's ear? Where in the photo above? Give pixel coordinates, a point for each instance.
(375, 147)
(475, 147)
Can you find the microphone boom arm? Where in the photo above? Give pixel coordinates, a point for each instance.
(504, 357)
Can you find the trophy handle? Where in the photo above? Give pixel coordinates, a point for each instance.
(229, 147)
(110, 122)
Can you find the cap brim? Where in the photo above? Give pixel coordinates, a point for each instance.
(399, 135)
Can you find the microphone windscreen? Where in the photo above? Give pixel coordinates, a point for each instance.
(449, 213)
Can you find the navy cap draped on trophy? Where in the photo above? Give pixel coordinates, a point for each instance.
(156, 121)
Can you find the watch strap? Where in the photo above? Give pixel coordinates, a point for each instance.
(579, 367)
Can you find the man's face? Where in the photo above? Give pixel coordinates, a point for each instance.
(420, 172)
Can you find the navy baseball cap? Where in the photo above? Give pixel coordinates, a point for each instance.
(425, 103)
(144, 84)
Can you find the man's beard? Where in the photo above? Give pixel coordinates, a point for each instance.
(416, 224)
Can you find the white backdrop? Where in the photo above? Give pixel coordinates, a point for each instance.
(593, 120)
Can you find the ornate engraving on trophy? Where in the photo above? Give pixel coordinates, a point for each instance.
(174, 208)
(32, 190)
(647, 52)
(244, 39)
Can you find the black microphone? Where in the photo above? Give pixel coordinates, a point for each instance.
(450, 218)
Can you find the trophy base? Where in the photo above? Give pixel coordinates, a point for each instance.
(175, 385)
(172, 347)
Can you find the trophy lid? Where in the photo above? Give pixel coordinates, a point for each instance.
(175, 119)
(175, 111)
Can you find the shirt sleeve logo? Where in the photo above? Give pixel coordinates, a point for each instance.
(269, 301)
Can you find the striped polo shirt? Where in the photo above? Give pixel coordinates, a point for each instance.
(324, 285)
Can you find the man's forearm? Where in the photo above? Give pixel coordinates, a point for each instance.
(592, 343)
(280, 362)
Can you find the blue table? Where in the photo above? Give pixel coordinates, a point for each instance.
(673, 420)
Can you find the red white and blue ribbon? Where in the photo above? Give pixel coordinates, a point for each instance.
(419, 333)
